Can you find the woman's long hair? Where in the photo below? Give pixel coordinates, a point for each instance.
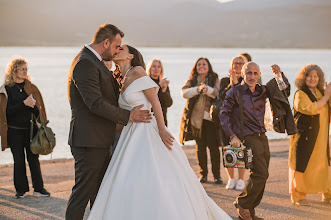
(300, 80)
(138, 59)
(211, 76)
(149, 67)
(11, 71)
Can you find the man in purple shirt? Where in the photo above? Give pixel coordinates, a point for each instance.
(253, 97)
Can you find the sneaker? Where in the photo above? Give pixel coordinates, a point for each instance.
(19, 195)
(240, 185)
(231, 184)
(218, 180)
(42, 193)
(203, 179)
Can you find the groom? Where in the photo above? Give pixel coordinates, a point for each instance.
(93, 93)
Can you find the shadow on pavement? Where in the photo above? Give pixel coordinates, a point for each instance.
(36, 207)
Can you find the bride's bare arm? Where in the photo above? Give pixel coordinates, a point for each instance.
(166, 137)
(152, 97)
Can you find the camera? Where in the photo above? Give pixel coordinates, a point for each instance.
(240, 157)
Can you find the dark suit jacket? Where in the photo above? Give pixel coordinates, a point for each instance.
(281, 108)
(93, 95)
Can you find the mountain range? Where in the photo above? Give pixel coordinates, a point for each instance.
(171, 23)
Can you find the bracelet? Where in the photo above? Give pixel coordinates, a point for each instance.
(162, 131)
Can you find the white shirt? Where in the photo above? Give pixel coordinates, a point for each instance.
(93, 51)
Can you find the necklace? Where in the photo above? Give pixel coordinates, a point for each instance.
(21, 89)
(122, 81)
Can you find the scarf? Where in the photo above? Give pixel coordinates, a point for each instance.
(196, 123)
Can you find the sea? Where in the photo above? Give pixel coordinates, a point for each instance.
(48, 68)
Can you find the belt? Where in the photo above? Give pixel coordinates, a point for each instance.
(19, 128)
(257, 134)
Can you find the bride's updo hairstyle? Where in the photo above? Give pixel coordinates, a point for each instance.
(138, 59)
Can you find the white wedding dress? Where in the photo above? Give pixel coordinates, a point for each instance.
(145, 180)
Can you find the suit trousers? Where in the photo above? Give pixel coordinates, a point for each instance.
(18, 140)
(208, 139)
(253, 192)
(90, 166)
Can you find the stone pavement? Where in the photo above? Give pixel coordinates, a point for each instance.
(59, 179)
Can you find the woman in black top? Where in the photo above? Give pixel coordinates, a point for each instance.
(155, 71)
(19, 106)
(226, 84)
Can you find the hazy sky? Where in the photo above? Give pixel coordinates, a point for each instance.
(224, 1)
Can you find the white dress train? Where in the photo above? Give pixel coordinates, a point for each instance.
(146, 181)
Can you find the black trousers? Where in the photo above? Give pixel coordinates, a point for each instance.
(90, 166)
(253, 192)
(18, 140)
(208, 139)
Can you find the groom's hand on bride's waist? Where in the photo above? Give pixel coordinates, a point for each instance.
(137, 115)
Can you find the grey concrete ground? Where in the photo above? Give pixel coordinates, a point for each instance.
(59, 179)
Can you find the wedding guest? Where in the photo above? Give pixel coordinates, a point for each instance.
(19, 98)
(254, 97)
(119, 127)
(199, 90)
(155, 71)
(309, 155)
(249, 59)
(226, 84)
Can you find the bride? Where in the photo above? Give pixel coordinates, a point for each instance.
(149, 176)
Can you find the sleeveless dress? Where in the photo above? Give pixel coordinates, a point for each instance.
(145, 180)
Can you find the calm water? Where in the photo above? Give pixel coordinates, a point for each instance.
(49, 66)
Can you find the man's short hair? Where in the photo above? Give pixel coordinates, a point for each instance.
(106, 31)
(247, 56)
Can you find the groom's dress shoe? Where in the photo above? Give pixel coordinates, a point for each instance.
(243, 214)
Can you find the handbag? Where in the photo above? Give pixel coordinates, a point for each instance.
(44, 141)
(215, 109)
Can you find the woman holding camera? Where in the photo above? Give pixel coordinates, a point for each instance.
(200, 90)
(18, 99)
(309, 155)
(155, 71)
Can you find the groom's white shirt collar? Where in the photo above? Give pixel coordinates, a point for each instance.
(93, 51)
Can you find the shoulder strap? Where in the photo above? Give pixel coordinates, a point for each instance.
(31, 128)
(241, 111)
(306, 90)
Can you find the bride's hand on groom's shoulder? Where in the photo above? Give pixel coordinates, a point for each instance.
(167, 138)
(137, 115)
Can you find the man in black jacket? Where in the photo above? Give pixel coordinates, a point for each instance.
(93, 93)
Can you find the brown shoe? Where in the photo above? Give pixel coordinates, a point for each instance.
(243, 213)
(302, 202)
(255, 217)
(326, 200)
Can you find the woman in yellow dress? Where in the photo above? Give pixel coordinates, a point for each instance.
(309, 155)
